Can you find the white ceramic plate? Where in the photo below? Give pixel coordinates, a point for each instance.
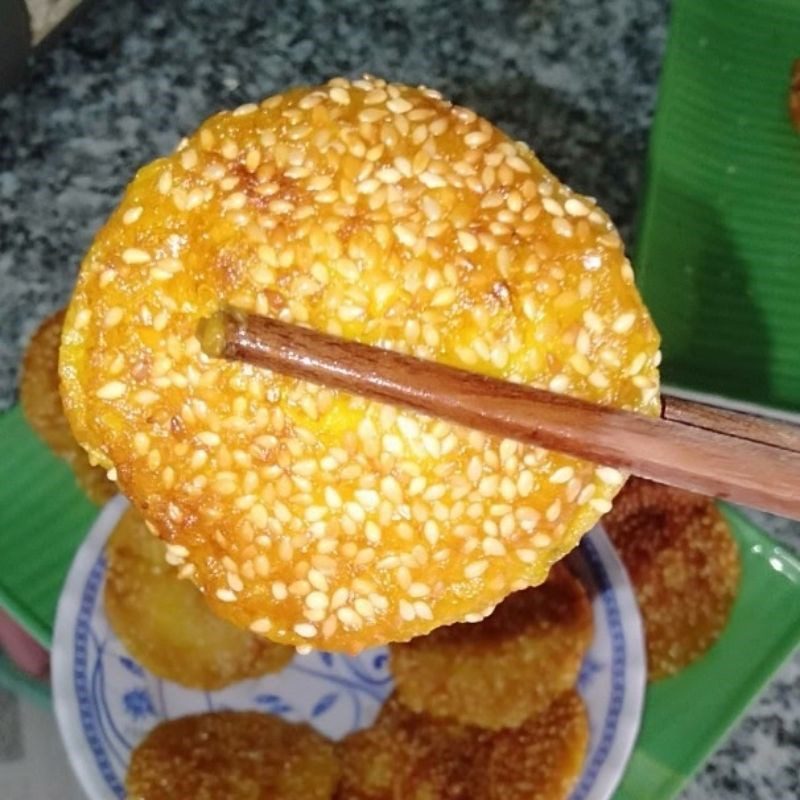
(105, 702)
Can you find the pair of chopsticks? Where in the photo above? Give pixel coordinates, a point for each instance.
(725, 454)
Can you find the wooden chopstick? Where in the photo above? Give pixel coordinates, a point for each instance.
(734, 423)
(723, 454)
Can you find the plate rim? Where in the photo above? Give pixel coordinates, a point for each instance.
(61, 657)
(632, 709)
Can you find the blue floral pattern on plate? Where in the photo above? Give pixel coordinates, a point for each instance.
(106, 702)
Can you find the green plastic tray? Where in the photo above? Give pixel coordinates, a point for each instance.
(718, 257)
(43, 519)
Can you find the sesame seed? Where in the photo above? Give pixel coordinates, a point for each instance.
(244, 110)
(234, 581)
(339, 598)
(279, 590)
(559, 383)
(318, 600)
(600, 505)
(554, 511)
(339, 96)
(475, 569)
(165, 182)
(494, 547)
(418, 590)
(432, 180)
(468, 241)
(305, 629)
(349, 618)
(518, 164)
(552, 207)
(262, 625)
(374, 97)
(477, 138)
(131, 215)
(398, 105)
(299, 588)
(431, 532)
(562, 475)
(258, 514)
(575, 208)
(525, 483)
(609, 475)
(226, 595)
(592, 261)
(146, 397)
(363, 607)
(422, 610)
(405, 235)
(112, 390)
(316, 577)
(624, 322)
(407, 612)
(599, 380)
(526, 555)
(488, 485)
(499, 356)
(562, 227)
(189, 159)
(229, 150)
(133, 255)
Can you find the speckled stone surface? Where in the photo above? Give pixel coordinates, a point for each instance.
(574, 78)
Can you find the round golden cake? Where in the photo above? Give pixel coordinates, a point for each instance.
(165, 623)
(410, 756)
(499, 672)
(387, 215)
(685, 568)
(542, 759)
(232, 755)
(42, 406)
(413, 757)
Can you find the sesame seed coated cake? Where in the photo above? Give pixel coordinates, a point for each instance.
(387, 215)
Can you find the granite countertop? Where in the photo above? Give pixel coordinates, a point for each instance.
(574, 78)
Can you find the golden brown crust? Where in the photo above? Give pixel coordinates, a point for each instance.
(540, 760)
(235, 755)
(503, 670)
(166, 625)
(385, 214)
(42, 406)
(410, 756)
(684, 565)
